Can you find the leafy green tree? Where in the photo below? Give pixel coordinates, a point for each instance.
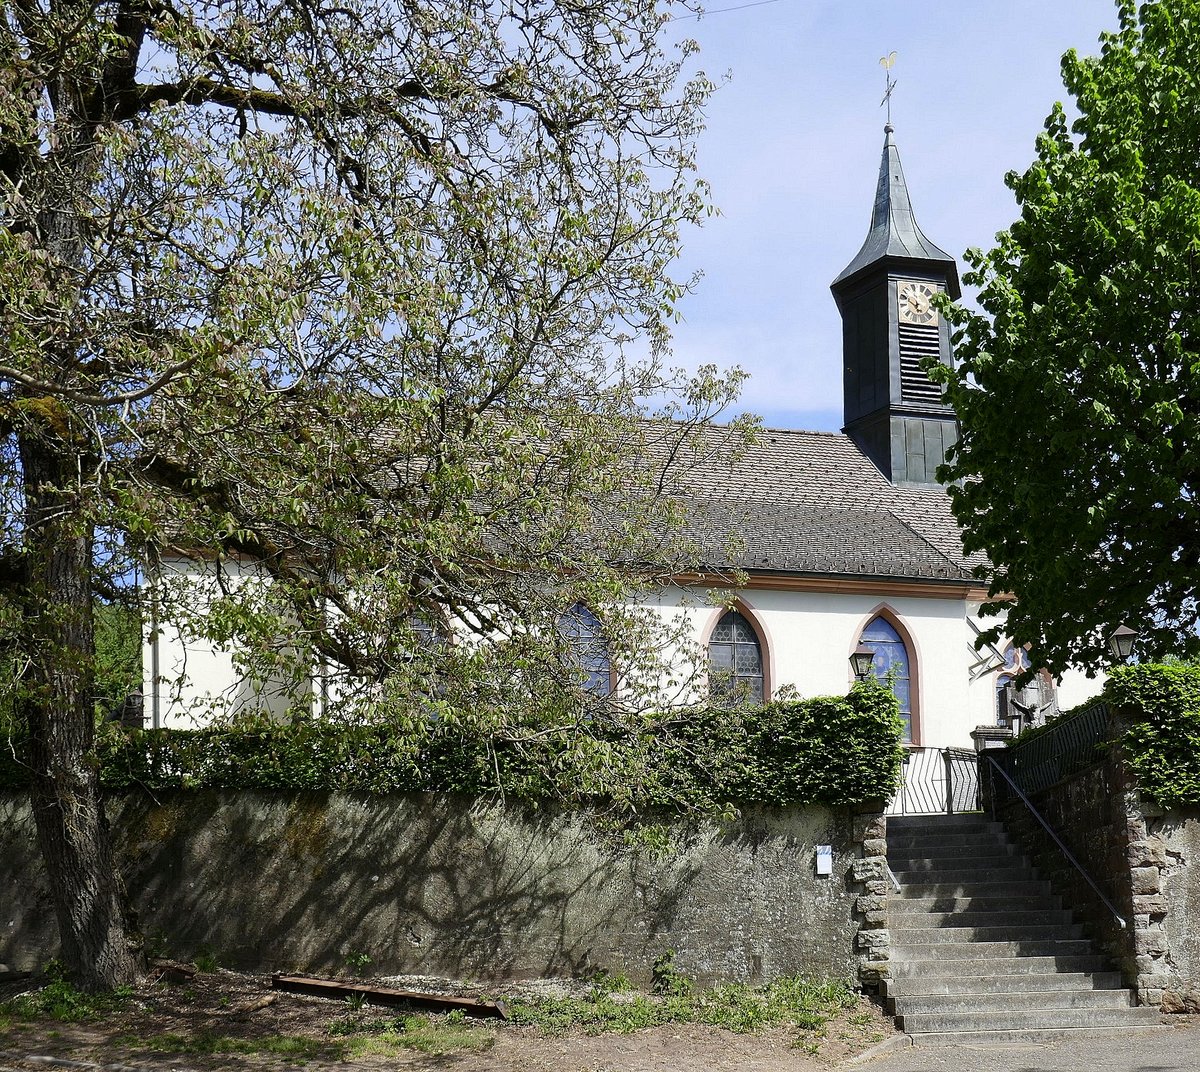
(1078, 388)
(335, 299)
(118, 658)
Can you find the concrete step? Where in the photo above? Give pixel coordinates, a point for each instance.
(916, 906)
(948, 964)
(930, 823)
(924, 985)
(994, 951)
(939, 848)
(908, 1004)
(1022, 889)
(931, 868)
(949, 856)
(999, 917)
(1121, 1035)
(904, 937)
(950, 839)
(1015, 870)
(1026, 1019)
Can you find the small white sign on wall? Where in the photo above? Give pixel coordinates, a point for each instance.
(824, 859)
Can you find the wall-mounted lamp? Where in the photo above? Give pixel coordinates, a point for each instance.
(1121, 642)
(861, 660)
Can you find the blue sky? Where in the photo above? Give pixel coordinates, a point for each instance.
(792, 152)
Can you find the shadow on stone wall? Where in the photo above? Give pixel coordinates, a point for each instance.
(471, 889)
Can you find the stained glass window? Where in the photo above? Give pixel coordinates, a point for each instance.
(735, 665)
(584, 634)
(891, 666)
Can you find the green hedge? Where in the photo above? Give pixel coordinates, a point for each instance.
(828, 750)
(1162, 703)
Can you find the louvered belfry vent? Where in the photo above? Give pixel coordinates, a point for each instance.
(918, 342)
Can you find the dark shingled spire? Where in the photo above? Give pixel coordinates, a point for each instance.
(894, 233)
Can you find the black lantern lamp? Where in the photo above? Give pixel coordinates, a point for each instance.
(1121, 642)
(861, 660)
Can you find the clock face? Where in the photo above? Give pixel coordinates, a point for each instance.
(916, 302)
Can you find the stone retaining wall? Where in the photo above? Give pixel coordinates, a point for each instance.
(1145, 860)
(469, 889)
(1166, 869)
(1091, 812)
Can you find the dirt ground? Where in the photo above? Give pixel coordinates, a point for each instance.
(159, 1027)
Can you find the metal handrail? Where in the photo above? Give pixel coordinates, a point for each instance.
(1058, 841)
(892, 876)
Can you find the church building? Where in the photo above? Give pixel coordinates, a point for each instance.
(846, 541)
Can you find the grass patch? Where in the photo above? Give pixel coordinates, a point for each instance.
(803, 1003)
(205, 961)
(207, 1043)
(434, 1035)
(60, 1000)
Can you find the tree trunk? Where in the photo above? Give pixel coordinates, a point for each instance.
(67, 805)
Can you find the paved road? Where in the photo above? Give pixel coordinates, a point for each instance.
(1174, 1049)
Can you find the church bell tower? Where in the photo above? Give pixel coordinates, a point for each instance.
(889, 327)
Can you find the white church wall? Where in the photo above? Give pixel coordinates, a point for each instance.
(1073, 688)
(809, 637)
(189, 680)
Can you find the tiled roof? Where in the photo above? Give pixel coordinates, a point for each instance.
(813, 503)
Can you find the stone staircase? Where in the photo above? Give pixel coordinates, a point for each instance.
(981, 945)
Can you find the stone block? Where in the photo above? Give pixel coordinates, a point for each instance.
(1170, 1001)
(874, 847)
(870, 903)
(874, 918)
(1152, 942)
(873, 939)
(1135, 828)
(877, 887)
(874, 971)
(866, 870)
(1145, 879)
(1181, 1001)
(868, 827)
(1148, 853)
(1152, 904)
(1158, 982)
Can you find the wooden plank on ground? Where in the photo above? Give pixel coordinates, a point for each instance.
(340, 990)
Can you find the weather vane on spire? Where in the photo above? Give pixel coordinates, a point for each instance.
(887, 63)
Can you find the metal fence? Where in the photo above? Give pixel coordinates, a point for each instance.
(937, 781)
(1066, 745)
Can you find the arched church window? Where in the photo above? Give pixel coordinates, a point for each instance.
(427, 637)
(735, 662)
(587, 648)
(891, 665)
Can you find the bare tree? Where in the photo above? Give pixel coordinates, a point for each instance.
(341, 292)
